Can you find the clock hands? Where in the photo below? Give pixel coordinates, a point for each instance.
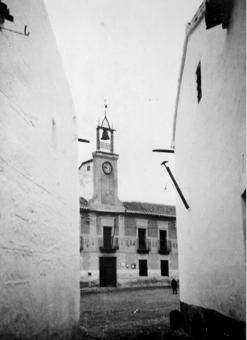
(107, 168)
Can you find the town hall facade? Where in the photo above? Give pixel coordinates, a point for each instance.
(121, 243)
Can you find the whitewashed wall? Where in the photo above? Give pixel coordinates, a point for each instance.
(210, 168)
(39, 219)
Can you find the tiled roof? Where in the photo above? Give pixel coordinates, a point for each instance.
(150, 208)
(141, 208)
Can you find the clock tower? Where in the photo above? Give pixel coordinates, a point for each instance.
(105, 175)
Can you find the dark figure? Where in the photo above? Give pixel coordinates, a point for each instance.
(174, 286)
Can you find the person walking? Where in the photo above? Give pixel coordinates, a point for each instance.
(174, 286)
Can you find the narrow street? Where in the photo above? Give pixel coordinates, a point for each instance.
(123, 170)
(128, 314)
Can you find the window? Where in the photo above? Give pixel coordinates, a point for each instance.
(244, 214)
(143, 268)
(107, 237)
(163, 240)
(199, 82)
(142, 238)
(88, 168)
(164, 267)
(144, 245)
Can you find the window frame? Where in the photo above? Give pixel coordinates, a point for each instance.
(199, 82)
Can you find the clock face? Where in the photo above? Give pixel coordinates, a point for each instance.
(107, 168)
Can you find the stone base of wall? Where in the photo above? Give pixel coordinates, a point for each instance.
(207, 324)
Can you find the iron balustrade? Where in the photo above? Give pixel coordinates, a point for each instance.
(109, 247)
(144, 247)
(165, 248)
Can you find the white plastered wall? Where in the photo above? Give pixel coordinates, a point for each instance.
(39, 243)
(210, 167)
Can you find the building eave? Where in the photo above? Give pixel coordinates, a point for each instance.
(85, 162)
(127, 212)
(132, 212)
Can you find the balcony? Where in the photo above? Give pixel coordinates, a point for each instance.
(144, 247)
(108, 246)
(165, 247)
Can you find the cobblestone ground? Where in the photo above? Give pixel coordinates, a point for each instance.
(131, 314)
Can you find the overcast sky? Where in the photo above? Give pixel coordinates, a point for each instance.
(129, 53)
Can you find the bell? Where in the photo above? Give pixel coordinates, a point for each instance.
(105, 135)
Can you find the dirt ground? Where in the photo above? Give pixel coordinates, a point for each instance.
(128, 314)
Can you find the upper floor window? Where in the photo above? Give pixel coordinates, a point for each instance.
(199, 82)
(163, 239)
(107, 237)
(144, 245)
(244, 213)
(142, 238)
(164, 244)
(109, 243)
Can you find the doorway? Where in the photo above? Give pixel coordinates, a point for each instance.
(143, 268)
(164, 266)
(107, 272)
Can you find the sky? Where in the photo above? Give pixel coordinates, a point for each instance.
(127, 53)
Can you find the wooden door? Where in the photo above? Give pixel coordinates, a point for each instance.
(164, 266)
(108, 271)
(143, 268)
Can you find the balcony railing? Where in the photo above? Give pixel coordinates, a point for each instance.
(110, 247)
(144, 247)
(165, 249)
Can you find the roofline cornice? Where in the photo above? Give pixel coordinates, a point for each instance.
(127, 212)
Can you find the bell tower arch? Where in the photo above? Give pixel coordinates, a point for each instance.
(105, 143)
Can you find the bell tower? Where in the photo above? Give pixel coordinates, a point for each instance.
(105, 143)
(105, 174)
